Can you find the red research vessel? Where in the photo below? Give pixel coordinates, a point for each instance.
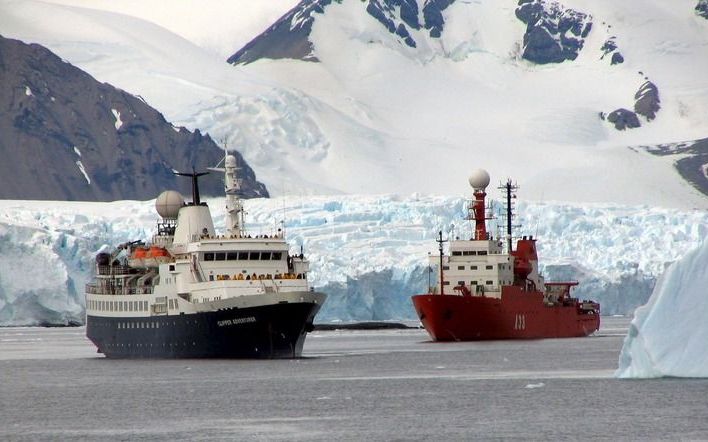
(488, 292)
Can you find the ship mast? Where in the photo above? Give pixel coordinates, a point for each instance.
(479, 180)
(234, 206)
(440, 242)
(509, 190)
(195, 184)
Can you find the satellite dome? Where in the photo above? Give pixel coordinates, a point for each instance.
(230, 161)
(168, 204)
(479, 179)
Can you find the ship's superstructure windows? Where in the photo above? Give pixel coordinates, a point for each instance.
(456, 253)
(490, 282)
(460, 267)
(446, 267)
(242, 256)
(446, 282)
(460, 282)
(489, 267)
(473, 267)
(482, 252)
(473, 282)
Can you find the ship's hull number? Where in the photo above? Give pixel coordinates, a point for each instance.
(520, 323)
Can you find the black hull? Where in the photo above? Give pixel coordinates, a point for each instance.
(265, 332)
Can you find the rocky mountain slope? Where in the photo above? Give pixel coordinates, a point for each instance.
(66, 136)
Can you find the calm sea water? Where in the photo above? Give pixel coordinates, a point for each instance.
(352, 385)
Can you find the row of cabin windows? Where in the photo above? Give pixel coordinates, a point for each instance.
(468, 252)
(242, 256)
(488, 267)
(488, 282)
(118, 306)
(141, 324)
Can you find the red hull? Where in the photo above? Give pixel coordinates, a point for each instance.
(517, 315)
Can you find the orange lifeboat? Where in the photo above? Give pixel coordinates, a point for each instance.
(156, 255)
(137, 257)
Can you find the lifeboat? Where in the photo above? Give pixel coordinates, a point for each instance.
(156, 255)
(137, 257)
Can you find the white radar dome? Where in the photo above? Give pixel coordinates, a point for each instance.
(168, 204)
(230, 161)
(479, 179)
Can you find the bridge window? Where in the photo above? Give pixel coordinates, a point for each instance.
(490, 282)
(242, 256)
(482, 252)
(490, 267)
(208, 256)
(473, 282)
(265, 256)
(460, 267)
(255, 255)
(231, 256)
(220, 256)
(456, 253)
(446, 267)
(276, 256)
(473, 267)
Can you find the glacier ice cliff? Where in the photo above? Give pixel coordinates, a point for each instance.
(369, 253)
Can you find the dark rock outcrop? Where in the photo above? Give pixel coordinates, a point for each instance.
(610, 47)
(432, 15)
(702, 8)
(553, 33)
(65, 136)
(289, 37)
(646, 104)
(623, 119)
(617, 58)
(647, 101)
(385, 11)
(692, 162)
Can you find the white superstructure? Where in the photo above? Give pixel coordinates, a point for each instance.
(189, 268)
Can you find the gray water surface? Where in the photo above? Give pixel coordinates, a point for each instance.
(352, 385)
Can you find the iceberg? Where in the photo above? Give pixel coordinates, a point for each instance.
(668, 335)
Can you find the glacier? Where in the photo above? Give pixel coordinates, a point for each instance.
(667, 337)
(368, 252)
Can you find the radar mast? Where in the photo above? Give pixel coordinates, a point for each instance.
(235, 225)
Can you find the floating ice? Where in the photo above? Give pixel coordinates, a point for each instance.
(668, 335)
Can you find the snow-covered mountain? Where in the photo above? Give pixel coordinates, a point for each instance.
(368, 253)
(409, 95)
